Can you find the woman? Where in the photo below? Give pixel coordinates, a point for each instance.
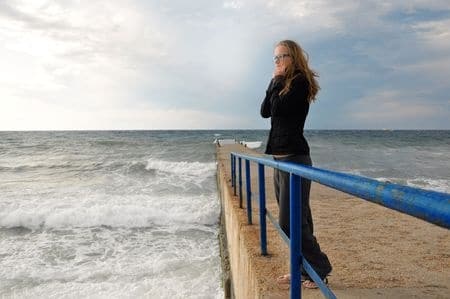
(292, 88)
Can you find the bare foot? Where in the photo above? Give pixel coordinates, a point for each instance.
(284, 279)
(309, 284)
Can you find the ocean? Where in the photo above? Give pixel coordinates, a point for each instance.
(129, 214)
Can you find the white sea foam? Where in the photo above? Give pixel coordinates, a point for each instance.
(108, 215)
(423, 183)
(134, 211)
(431, 184)
(200, 170)
(440, 185)
(156, 287)
(105, 263)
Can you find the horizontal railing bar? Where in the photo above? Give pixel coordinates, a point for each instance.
(320, 283)
(294, 244)
(430, 206)
(278, 228)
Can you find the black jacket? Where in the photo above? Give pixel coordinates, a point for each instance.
(288, 113)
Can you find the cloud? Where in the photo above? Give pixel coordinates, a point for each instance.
(233, 4)
(87, 51)
(46, 116)
(435, 34)
(22, 12)
(213, 57)
(403, 108)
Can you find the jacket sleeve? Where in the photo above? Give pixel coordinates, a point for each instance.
(292, 101)
(275, 86)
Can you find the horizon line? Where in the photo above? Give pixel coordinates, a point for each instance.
(245, 129)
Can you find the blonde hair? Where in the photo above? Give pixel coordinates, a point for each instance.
(299, 62)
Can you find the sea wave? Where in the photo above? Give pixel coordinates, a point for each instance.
(128, 167)
(109, 143)
(439, 185)
(181, 210)
(149, 166)
(432, 184)
(183, 168)
(36, 166)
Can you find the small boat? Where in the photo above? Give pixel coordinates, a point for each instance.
(251, 144)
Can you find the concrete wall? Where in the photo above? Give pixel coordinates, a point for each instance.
(247, 273)
(240, 280)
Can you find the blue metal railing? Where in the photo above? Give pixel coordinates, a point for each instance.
(431, 206)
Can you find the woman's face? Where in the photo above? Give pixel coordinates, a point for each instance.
(281, 56)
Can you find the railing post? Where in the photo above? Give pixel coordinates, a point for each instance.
(240, 181)
(249, 191)
(262, 209)
(295, 202)
(430, 206)
(234, 177)
(232, 170)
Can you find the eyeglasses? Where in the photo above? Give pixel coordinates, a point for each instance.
(280, 57)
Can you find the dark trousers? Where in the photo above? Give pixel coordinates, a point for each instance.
(310, 247)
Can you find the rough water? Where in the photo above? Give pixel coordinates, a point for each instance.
(126, 214)
(108, 214)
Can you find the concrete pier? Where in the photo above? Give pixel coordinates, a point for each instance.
(375, 252)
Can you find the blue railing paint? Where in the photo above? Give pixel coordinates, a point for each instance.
(262, 209)
(240, 181)
(325, 290)
(278, 228)
(249, 191)
(295, 204)
(232, 171)
(431, 206)
(233, 177)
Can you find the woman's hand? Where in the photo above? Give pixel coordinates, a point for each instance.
(280, 70)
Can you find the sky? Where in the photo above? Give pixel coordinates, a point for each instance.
(205, 64)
